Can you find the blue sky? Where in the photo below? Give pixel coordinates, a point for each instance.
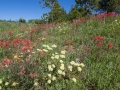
(27, 9)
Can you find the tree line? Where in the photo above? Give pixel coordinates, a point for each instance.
(81, 8)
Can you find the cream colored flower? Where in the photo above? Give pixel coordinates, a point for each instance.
(56, 56)
(70, 67)
(52, 57)
(6, 83)
(61, 61)
(1, 81)
(79, 68)
(63, 52)
(63, 73)
(43, 38)
(62, 56)
(0, 88)
(14, 84)
(53, 54)
(56, 53)
(50, 68)
(49, 48)
(76, 64)
(82, 65)
(72, 63)
(36, 84)
(74, 80)
(49, 81)
(44, 45)
(33, 52)
(53, 65)
(45, 50)
(62, 67)
(53, 78)
(49, 75)
(59, 72)
(54, 46)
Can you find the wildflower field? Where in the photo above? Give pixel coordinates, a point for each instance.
(82, 55)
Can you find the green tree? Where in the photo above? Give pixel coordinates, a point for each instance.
(86, 7)
(47, 3)
(22, 20)
(109, 5)
(57, 14)
(74, 14)
(117, 10)
(45, 17)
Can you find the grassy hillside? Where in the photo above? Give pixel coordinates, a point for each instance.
(62, 56)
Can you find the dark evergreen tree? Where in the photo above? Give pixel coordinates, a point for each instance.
(57, 13)
(74, 14)
(109, 5)
(86, 7)
(22, 20)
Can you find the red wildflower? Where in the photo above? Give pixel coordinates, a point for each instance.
(99, 43)
(22, 71)
(25, 48)
(6, 62)
(6, 44)
(27, 41)
(87, 48)
(97, 37)
(68, 42)
(110, 45)
(40, 52)
(32, 75)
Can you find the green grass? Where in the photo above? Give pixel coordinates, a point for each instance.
(102, 64)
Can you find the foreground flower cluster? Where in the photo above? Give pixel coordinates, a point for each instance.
(38, 67)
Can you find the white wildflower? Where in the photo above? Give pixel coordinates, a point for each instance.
(45, 50)
(62, 56)
(53, 65)
(44, 45)
(61, 61)
(52, 57)
(74, 80)
(56, 56)
(79, 68)
(53, 78)
(82, 65)
(36, 84)
(50, 68)
(63, 52)
(72, 63)
(62, 67)
(76, 64)
(54, 46)
(0, 81)
(49, 81)
(59, 71)
(49, 75)
(70, 67)
(49, 48)
(6, 83)
(63, 73)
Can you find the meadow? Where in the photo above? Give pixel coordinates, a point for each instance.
(82, 55)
